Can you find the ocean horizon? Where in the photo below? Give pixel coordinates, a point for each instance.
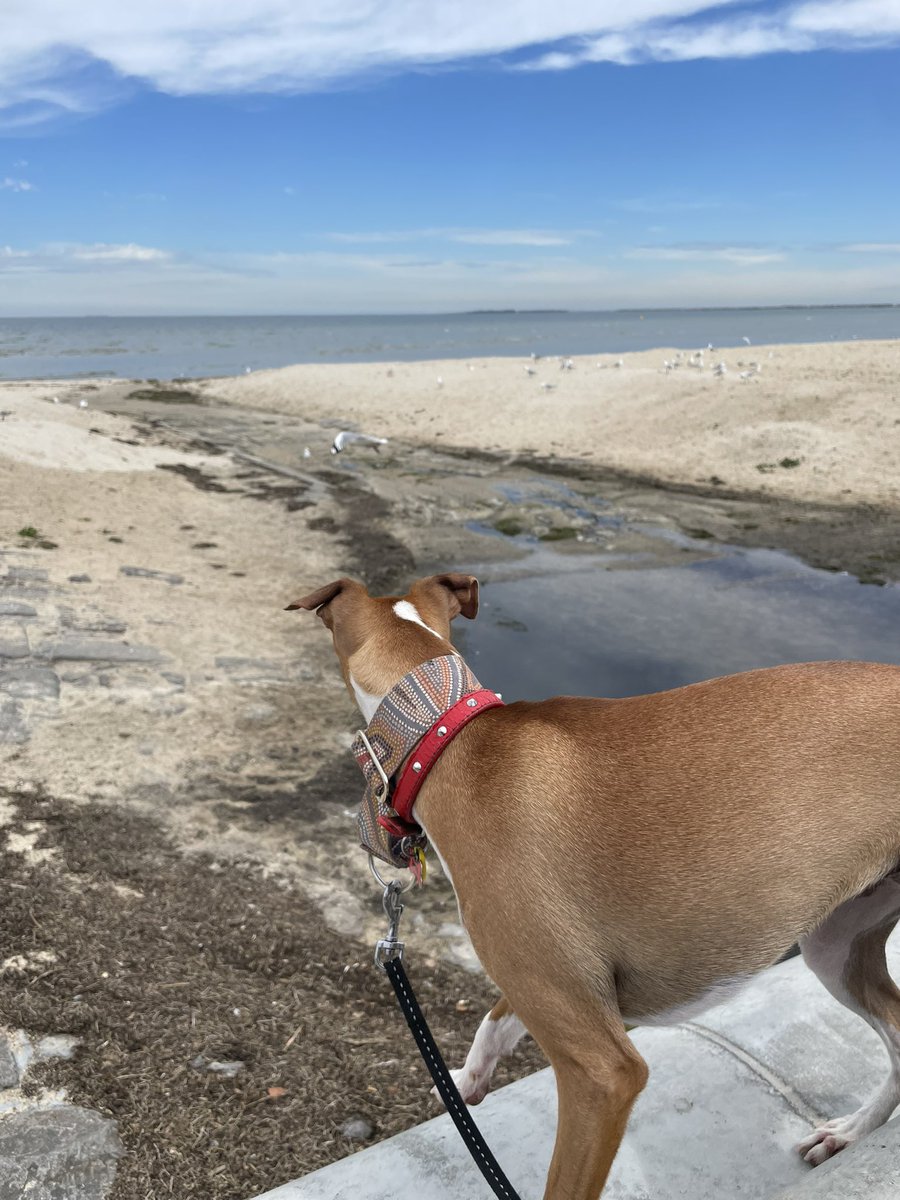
(179, 347)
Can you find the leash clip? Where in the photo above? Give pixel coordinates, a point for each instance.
(390, 948)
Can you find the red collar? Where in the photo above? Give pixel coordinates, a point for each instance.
(433, 744)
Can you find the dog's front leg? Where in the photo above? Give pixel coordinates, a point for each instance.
(498, 1034)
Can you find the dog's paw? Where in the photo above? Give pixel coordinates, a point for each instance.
(473, 1088)
(832, 1137)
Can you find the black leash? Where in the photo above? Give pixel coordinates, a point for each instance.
(388, 956)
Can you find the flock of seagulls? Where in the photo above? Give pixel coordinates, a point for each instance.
(720, 369)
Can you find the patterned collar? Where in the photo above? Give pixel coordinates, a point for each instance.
(408, 717)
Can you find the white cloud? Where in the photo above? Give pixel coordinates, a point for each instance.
(793, 28)
(59, 58)
(64, 256)
(16, 185)
(745, 256)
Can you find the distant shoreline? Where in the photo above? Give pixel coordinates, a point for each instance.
(469, 312)
(148, 348)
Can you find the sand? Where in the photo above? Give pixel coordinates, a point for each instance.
(833, 407)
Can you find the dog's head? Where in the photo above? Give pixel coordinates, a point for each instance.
(379, 639)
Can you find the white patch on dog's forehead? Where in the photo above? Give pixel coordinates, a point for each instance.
(408, 612)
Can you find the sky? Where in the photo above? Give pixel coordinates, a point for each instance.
(193, 156)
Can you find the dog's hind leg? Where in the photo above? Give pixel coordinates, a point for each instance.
(498, 1034)
(847, 954)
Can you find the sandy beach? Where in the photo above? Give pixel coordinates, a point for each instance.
(174, 742)
(835, 408)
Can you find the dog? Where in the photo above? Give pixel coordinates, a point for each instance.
(633, 861)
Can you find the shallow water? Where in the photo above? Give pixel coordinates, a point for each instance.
(607, 625)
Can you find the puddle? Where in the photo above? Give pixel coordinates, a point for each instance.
(611, 625)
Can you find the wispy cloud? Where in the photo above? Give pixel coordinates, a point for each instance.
(871, 248)
(16, 185)
(744, 256)
(64, 59)
(79, 279)
(472, 237)
(668, 204)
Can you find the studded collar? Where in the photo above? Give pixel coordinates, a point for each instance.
(413, 724)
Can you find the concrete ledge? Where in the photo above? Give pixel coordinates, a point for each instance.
(729, 1097)
(867, 1171)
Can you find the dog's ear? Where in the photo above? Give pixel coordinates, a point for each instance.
(324, 595)
(462, 591)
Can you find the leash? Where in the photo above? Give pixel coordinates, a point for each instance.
(389, 957)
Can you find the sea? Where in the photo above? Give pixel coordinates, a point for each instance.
(204, 347)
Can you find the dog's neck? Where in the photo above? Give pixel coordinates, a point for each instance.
(405, 721)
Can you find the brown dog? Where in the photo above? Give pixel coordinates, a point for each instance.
(635, 860)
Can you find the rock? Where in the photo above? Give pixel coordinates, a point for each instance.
(90, 650)
(147, 573)
(227, 1069)
(15, 608)
(30, 683)
(58, 1153)
(357, 1129)
(13, 730)
(14, 643)
(69, 619)
(261, 715)
(9, 1070)
(27, 575)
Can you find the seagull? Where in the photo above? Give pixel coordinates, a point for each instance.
(346, 438)
(619, 362)
(307, 453)
(746, 340)
(82, 403)
(720, 369)
(548, 387)
(529, 370)
(566, 364)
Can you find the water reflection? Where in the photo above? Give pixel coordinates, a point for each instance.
(586, 626)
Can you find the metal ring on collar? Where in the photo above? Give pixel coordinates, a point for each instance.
(386, 883)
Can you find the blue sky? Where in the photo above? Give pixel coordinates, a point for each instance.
(195, 157)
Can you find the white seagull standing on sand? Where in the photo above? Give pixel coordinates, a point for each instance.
(346, 438)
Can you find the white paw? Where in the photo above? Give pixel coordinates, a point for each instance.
(473, 1088)
(832, 1137)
